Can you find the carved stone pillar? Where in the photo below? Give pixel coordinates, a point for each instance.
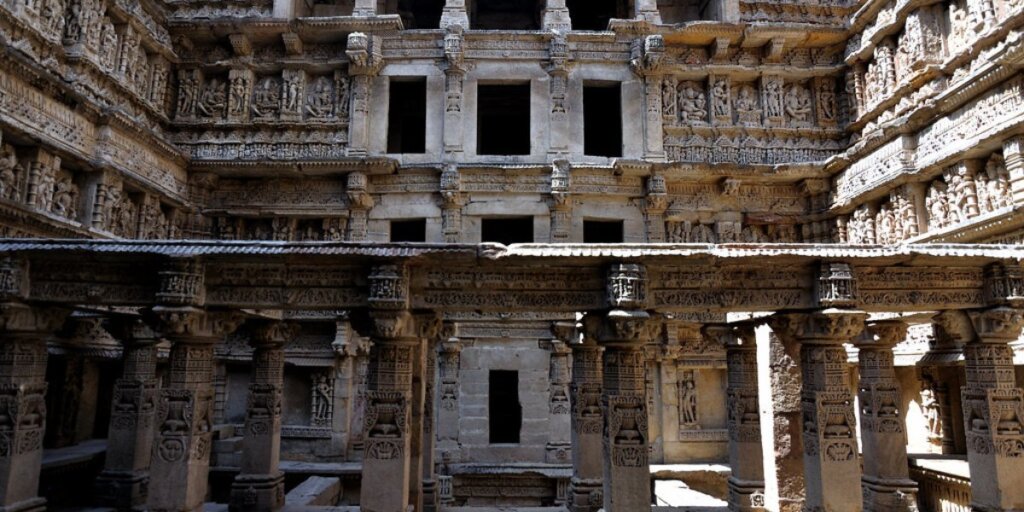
(365, 8)
(451, 206)
(886, 481)
(388, 427)
(259, 486)
(124, 482)
(779, 366)
(365, 61)
(831, 467)
(627, 486)
(655, 204)
(1013, 156)
(555, 17)
(181, 457)
(994, 411)
(448, 392)
(561, 205)
(746, 483)
(587, 425)
(360, 203)
(23, 334)
(454, 13)
(646, 59)
(559, 437)
(454, 81)
(558, 70)
(647, 10)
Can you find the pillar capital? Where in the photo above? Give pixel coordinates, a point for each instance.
(997, 325)
(824, 327)
(621, 327)
(18, 317)
(273, 333)
(191, 324)
(401, 325)
(131, 330)
(882, 334)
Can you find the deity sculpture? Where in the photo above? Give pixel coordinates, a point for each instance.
(320, 101)
(213, 98)
(266, 98)
(798, 104)
(692, 103)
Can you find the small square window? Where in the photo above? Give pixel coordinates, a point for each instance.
(505, 413)
(407, 116)
(602, 232)
(503, 119)
(602, 120)
(414, 230)
(507, 230)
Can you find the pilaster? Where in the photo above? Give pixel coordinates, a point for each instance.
(555, 17)
(1013, 156)
(454, 81)
(454, 13)
(587, 425)
(559, 442)
(886, 481)
(124, 482)
(259, 486)
(994, 410)
(779, 372)
(365, 61)
(831, 467)
(23, 333)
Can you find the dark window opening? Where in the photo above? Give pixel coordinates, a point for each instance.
(602, 120)
(602, 232)
(509, 230)
(595, 14)
(506, 14)
(503, 119)
(420, 13)
(681, 11)
(332, 8)
(504, 409)
(407, 116)
(414, 230)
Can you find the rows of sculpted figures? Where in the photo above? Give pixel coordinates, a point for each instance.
(539, 255)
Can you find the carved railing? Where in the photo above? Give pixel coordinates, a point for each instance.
(941, 492)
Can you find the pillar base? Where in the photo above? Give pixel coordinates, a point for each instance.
(746, 495)
(122, 490)
(586, 495)
(257, 493)
(29, 505)
(889, 495)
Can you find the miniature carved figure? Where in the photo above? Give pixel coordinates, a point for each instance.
(798, 104)
(213, 99)
(266, 98)
(320, 101)
(692, 103)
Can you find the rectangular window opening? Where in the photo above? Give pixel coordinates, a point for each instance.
(412, 230)
(420, 14)
(505, 14)
(504, 410)
(595, 14)
(602, 120)
(407, 116)
(503, 119)
(602, 232)
(507, 230)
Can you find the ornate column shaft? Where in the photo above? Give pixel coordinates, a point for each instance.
(23, 334)
(123, 484)
(831, 466)
(365, 61)
(746, 483)
(259, 486)
(587, 425)
(454, 13)
(559, 443)
(388, 429)
(1013, 155)
(886, 481)
(181, 457)
(454, 80)
(994, 411)
(779, 367)
(622, 332)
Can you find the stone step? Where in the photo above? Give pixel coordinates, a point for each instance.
(315, 491)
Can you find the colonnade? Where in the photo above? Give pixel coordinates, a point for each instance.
(160, 439)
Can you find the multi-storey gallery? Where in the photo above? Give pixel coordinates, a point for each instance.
(534, 255)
